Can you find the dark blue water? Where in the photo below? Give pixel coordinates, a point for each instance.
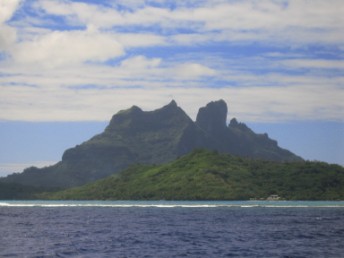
(171, 231)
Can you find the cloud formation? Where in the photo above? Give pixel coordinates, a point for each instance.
(67, 48)
(7, 33)
(75, 60)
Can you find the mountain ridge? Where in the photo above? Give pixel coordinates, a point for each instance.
(152, 137)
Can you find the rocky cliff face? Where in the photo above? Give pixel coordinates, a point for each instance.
(212, 118)
(135, 136)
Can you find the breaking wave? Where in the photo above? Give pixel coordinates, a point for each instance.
(177, 204)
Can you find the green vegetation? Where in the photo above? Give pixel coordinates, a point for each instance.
(208, 175)
(13, 191)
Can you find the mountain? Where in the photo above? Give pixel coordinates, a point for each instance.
(209, 175)
(237, 138)
(154, 137)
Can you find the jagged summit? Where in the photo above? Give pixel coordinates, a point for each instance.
(134, 120)
(173, 103)
(122, 115)
(153, 137)
(134, 109)
(233, 122)
(212, 118)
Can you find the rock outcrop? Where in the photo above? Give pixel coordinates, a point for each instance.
(212, 118)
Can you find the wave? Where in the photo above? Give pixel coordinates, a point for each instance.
(177, 204)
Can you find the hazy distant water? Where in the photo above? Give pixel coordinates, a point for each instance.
(171, 229)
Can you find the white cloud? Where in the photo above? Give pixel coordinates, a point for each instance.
(8, 37)
(140, 62)
(288, 103)
(95, 92)
(7, 34)
(60, 74)
(193, 70)
(67, 48)
(78, 13)
(248, 104)
(134, 40)
(8, 7)
(314, 63)
(284, 22)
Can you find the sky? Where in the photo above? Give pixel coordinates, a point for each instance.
(67, 66)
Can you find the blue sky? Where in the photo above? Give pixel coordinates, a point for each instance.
(67, 66)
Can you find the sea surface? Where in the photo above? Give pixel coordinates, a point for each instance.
(171, 229)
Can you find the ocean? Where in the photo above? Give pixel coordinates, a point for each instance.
(171, 229)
